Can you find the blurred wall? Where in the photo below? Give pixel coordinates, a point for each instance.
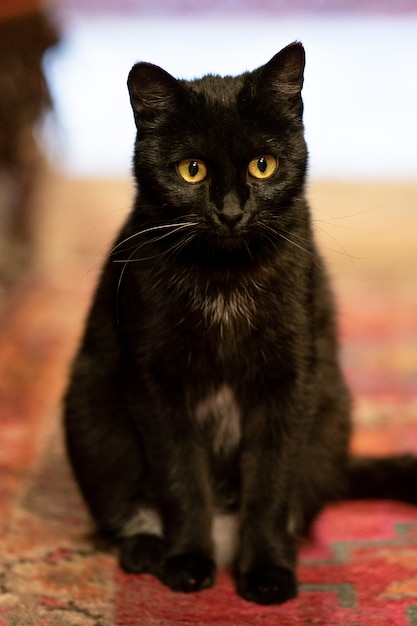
(360, 88)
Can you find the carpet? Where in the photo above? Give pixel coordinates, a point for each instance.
(358, 568)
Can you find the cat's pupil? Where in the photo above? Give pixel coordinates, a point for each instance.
(193, 168)
(262, 164)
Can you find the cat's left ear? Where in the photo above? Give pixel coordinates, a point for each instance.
(153, 93)
(281, 79)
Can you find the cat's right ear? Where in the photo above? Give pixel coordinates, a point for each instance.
(153, 93)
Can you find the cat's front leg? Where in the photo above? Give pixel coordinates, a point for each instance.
(188, 571)
(266, 566)
(181, 554)
(190, 564)
(266, 570)
(180, 489)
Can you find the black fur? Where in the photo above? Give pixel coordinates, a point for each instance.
(208, 377)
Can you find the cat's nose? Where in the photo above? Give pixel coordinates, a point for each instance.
(231, 212)
(231, 218)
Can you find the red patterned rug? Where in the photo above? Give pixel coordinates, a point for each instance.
(359, 568)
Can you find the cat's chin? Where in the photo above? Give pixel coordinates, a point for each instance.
(229, 241)
(231, 244)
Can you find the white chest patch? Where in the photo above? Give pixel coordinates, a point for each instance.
(221, 411)
(224, 311)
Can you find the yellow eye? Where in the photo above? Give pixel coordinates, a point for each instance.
(263, 167)
(192, 170)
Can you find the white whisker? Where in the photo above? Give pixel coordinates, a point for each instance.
(279, 233)
(341, 250)
(180, 244)
(180, 225)
(175, 228)
(153, 240)
(119, 283)
(293, 243)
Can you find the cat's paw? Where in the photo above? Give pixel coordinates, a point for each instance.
(142, 554)
(189, 572)
(269, 585)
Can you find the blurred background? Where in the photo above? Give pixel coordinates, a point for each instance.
(360, 89)
(66, 129)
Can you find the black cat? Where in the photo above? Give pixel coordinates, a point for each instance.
(207, 388)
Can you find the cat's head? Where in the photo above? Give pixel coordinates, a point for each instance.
(227, 154)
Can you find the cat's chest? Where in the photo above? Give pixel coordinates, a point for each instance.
(228, 312)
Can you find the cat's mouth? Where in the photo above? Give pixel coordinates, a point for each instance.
(230, 237)
(231, 228)
(228, 246)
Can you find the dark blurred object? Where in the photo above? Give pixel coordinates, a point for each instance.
(25, 34)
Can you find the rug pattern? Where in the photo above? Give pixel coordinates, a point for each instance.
(359, 567)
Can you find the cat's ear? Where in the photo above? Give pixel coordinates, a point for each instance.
(153, 93)
(281, 79)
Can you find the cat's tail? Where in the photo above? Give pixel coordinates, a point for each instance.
(388, 478)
